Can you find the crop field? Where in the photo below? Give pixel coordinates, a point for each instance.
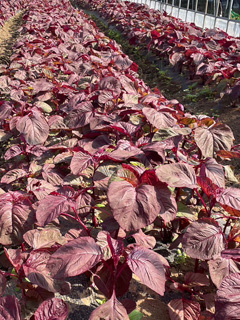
(106, 185)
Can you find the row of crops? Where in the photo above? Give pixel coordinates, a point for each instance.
(212, 56)
(8, 10)
(85, 140)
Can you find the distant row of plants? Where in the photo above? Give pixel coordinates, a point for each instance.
(211, 56)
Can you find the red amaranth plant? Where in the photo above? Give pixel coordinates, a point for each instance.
(84, 139)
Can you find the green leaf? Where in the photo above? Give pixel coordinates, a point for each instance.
(100, 205)
(135, 315)
(100, 302)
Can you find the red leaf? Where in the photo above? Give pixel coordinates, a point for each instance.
(149, 266)
(52, 309)
(16, 257)
(104, 279)
(16, 217)
(222, 267)
(141, 239)
(177, 175)
(74, 258)
(80, 161)
(203, 239)
(50, 208)
(159, 119)
(228, 154)
(228, 298)
(214, 171)
(229, 199)
(182, 309)
(110, 310)
(218, 137)
(207, 186)
(134, 208)
(34, 127)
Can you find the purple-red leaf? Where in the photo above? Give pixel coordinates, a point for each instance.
(3, 284)
(84, 203)
(177, 175)
(43, 238)
(149, 266)
(228, 298)
(193, 279)
(136, 207)
(110, 310)
(16, 217)
(52, 309)
(74, 258)
(182, 309)
(222, 267)
(13, 175)
(36, 271)
(229, 199)
(159, 119)
(80, 161)
(141, 239)
(34, 127)
(10, 308)
(218, 137)
(80, 117)
(50, 208)
(203, 239)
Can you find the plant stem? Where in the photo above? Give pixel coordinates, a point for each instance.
(80, 221)
(124, 265)
(226, 225)
(203, 202)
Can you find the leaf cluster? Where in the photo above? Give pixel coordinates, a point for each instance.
(85, 140)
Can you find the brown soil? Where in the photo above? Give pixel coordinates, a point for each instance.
(8, 36)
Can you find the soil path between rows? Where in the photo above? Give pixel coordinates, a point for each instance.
(8, 36)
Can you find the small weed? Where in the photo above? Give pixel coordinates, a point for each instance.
(196, 94)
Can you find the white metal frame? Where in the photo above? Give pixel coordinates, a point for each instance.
(201, 19)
